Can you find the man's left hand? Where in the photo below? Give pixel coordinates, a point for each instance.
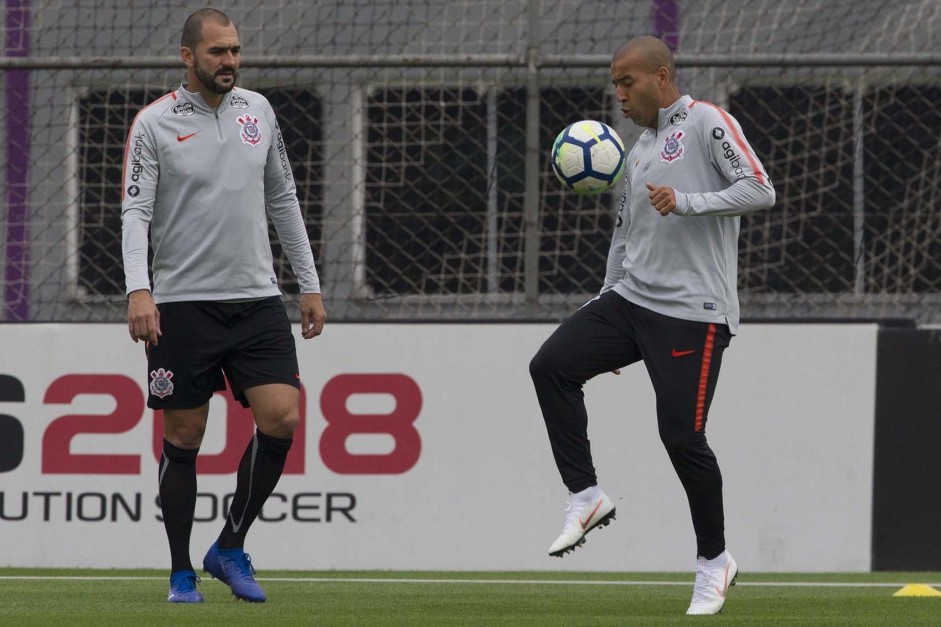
(662, 197)
(313, 315)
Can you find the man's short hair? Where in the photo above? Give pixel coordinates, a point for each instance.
(654, 54)
(193, 27)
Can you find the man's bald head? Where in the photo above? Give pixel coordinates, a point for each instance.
(644, 77)
(649, 53)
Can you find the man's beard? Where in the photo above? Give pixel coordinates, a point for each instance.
(209, 81)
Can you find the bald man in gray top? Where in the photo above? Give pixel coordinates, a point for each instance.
(669, 298)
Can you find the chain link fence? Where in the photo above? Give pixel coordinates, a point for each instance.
(419, 134)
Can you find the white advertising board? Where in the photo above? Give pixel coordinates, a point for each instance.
(423, 448)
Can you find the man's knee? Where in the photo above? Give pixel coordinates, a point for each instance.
(683, 443)
(289, 422)
(545, 364)
(281, 423)
(184, 428)
(276, 408)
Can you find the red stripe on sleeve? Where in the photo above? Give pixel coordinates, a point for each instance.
(742, 144)
(704, 377)
(127, 143)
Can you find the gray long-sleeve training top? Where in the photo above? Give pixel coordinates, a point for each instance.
(685, 264)
(201, 179)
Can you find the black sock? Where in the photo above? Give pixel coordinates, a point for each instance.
(259, 471)
(177, 489)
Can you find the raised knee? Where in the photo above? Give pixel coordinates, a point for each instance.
(543, 365)
(535, 366)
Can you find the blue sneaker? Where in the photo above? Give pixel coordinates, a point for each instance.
(183, 588)
(233, 567)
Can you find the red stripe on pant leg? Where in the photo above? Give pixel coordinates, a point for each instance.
(704, 377)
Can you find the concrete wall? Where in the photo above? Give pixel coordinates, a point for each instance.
(463, 479)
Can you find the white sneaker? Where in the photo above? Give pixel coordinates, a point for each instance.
(581, 516)
(712, 584)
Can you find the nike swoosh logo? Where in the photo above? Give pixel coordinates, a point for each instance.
(584, 523)
(183, 138)
(677, 353)
(725, 584)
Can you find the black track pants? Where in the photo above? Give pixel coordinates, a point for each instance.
(682, 359)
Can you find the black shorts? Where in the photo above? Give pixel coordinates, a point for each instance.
(203, 343)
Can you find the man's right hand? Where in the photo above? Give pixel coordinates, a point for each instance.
(143, 318)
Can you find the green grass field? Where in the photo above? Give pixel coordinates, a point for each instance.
(137, 598)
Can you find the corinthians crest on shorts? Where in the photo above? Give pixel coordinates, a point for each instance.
(251, 134)
(672, 148)
(161, 385)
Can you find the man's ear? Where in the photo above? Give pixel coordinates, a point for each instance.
(663, 75)
(187, 56)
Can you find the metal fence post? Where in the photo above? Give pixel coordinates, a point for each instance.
(531, 187)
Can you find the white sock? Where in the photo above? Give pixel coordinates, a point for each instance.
(588, 494)
(719, 561)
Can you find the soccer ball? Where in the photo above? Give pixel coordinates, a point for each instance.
(588, 157)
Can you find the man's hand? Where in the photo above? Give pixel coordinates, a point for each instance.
(663, 198)
(313, 315)
(143, 319)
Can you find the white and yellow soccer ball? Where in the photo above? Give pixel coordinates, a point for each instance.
(588, 157)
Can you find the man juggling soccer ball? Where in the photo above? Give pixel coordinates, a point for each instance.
(669, 299)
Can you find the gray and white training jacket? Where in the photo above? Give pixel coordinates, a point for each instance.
(201, 179)
(685, 264)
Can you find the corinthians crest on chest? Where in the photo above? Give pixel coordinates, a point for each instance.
(251, 133)
(672, 147)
